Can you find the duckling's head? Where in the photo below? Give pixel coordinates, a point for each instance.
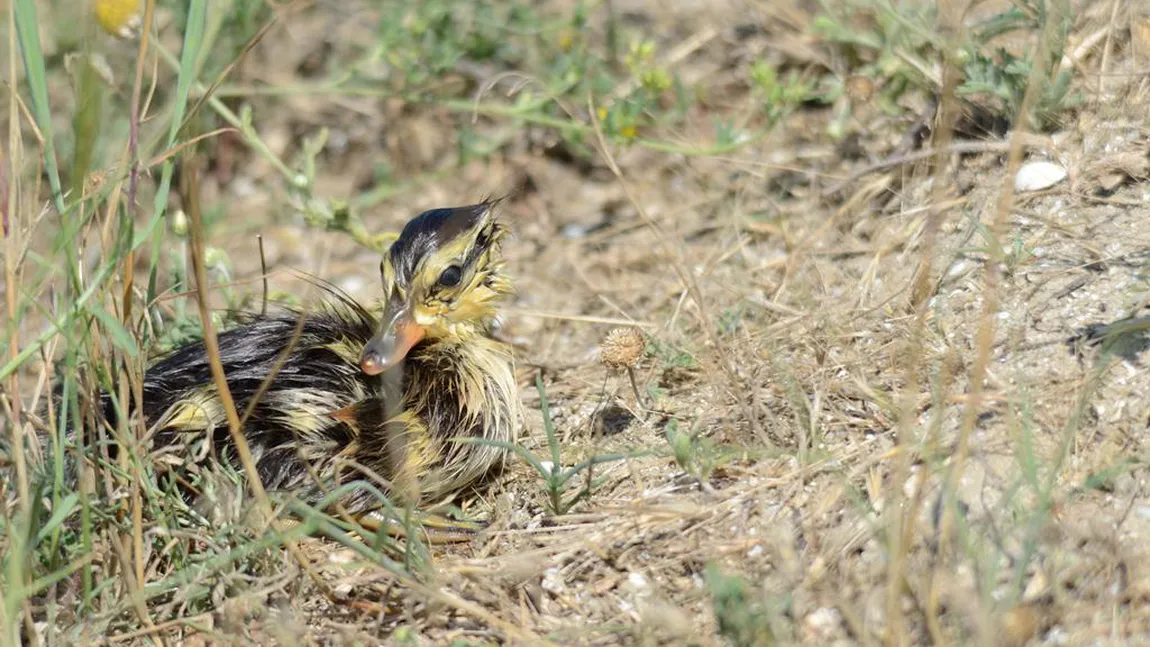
(441, 279)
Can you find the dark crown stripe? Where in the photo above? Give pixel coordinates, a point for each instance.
(427, 232)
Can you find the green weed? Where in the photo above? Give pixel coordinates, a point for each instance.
(670, 356)
(695, 454)
(557, 479)
(742, 619)
(780, 96)
(895, 44)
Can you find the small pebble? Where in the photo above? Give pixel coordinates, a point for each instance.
(553, 581)
(1036, 176)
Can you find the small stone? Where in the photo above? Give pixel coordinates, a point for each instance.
(859, 88)
(1036, 587)
(341, 557)
(1020, 624)
(910, 488)
(553, 581)
(574, 231)
(823, 624)
(180, 223)
(342, 590)
(1036, 176)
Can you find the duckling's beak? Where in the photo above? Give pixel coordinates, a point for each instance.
(396, 335)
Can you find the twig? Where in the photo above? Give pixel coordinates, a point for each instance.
(135, 586)
(466, 106)
(1029, 140)
(595, 429)
(263, 276)
(1072, 59)
(1114, 4)
(131, 157)
(11, 234)
(208, 92)
(580, 318)
(179, 148)
(157, 628)
(640, 401)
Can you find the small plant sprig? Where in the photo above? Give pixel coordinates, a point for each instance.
(741, 619)
(695, 454)
(556, 478)
(780, 96)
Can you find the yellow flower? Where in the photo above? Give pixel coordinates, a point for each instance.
(120, 18)
(566, 40)
(628, 131)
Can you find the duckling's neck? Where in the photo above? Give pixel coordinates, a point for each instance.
(458, 390)
(461, 369)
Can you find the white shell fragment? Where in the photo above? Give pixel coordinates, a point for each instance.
(1036, 176)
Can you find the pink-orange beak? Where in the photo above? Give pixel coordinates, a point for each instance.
(396, 336)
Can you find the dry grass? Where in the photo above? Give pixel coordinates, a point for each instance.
(859, 419)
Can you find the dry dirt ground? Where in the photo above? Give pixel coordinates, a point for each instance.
(792, 363)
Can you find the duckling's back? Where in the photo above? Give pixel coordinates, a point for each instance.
(295, 420)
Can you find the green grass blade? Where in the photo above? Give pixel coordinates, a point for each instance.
(59, 514)
(518, 450)
(42, 583)
(120, 335)
(78, 306)
(28, 35)
(548, 424)
(85, 123)
(193, 44)
(197, 571)
(598, 460)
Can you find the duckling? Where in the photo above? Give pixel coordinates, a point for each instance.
(384, 399)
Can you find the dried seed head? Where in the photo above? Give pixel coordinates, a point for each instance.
(859, 88)
(622, 348)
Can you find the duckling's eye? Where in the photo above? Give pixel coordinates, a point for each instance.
(451, 276)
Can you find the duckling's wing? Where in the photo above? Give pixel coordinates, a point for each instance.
(292, 422)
